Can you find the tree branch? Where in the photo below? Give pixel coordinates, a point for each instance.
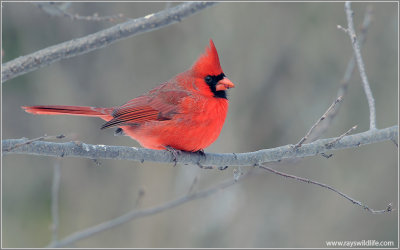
(302, 140)
(330, 144)
(83, 150)
(60, 9)
(134, 214)
(344, 83)
(75, 47)
(360, 63)
(45, 137)
(301, 179)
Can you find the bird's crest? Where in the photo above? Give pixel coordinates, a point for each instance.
(208, 62)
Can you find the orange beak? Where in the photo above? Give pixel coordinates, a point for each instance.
(224, 84)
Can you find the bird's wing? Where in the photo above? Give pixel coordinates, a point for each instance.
(159, 104)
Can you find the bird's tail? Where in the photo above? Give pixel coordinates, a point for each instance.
(104, 113)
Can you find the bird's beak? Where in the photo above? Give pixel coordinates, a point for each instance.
(224, 84)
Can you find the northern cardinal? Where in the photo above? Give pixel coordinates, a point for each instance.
(185, 113)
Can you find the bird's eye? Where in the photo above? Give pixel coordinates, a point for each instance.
(208, 79)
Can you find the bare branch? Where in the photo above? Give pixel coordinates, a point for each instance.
(54, 200)
(75, 47)
(351, 64)
(45, 137)
(59, 9)
(360, 63)
(135, 214)
(340, 27)
(302, 140)
(83, 150)
(297, 178)
(330, 144)
(323, 124)
(344, 83)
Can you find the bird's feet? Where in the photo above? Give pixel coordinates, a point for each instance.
(200, 152)
(202, 156)
(175, 153)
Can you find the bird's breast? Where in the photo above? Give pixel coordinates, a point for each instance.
(196, 125)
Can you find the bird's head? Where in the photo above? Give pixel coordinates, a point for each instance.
(207, 70)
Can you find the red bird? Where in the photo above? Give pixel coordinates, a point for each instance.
(185, 113)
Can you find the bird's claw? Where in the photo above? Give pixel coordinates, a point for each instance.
(200, 152)
(175, 153)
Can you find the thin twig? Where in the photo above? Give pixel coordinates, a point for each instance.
(330, 144)
(83, 150)
(344, 83)
(360, 63)
(96, 17)
(327, 122)
(45, 137)
(352, 62)
(59, 9)
(135, 214)
(75, 47)
(54, 200)
(297, 178)
(340, 27)
(302, 140)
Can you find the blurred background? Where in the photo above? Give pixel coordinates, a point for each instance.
(286, 59)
